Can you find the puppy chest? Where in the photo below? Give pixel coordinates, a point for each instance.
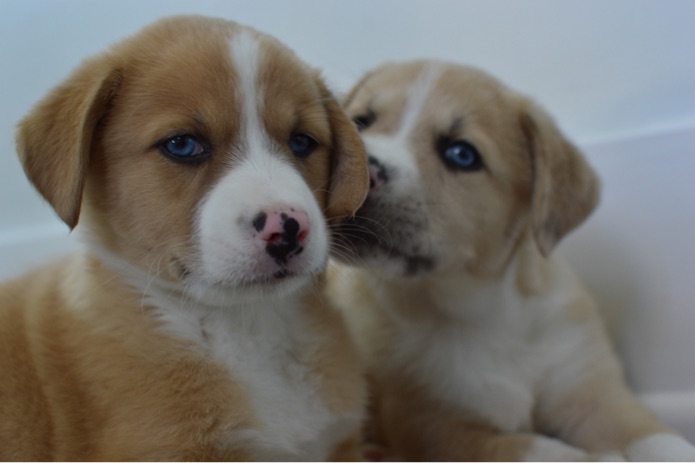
(271, 362)
(492, 381)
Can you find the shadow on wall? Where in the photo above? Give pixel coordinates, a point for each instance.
(637, 256)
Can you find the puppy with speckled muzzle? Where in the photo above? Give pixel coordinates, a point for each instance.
(201, 161)
(480, 342)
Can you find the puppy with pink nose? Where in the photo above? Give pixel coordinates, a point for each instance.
(201, 162)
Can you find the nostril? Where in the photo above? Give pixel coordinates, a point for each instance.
(291, 227)
(377, 173)
(259, 221)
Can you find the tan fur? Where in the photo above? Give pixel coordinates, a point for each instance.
(109, 386)
(488, 236)
(87, 373)
(336, 361)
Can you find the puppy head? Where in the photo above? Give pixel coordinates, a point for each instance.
(463, 169)
(201, 151)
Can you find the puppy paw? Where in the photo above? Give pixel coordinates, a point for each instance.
(549, 449)
(661, 447)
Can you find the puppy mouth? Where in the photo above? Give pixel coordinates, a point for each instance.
(362, 243)
(413, 265)
(282, 273)
(279, 276)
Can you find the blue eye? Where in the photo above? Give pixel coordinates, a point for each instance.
(183, 148)
(302, 145)
(461, 155)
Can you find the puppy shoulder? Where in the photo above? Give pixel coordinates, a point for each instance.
(348, 291)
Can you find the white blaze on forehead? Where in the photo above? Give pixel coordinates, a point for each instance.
(418, 95)
(246, 55)
(395, 150)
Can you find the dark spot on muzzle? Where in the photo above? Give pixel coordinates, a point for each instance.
(287, 246)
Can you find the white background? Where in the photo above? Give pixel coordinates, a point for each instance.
(618, 75)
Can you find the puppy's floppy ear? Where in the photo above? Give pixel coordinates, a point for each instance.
(565, 188)
(349, 182)
(54, 140)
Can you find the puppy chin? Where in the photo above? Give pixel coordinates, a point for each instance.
(253, 275)
(227, 293)
(405, 266)
(253, 279)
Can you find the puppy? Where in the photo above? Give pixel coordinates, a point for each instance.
(198, 159)
(480, 343)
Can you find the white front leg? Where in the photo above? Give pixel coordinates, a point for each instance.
(661, 447)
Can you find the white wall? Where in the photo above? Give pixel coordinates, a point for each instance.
(619, 76)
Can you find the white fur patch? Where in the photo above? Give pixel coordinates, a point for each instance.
(661, 447)
(246, 55)
(263, 345)
(418, 95)
(548, 449)
(395, 151)
(229, 253)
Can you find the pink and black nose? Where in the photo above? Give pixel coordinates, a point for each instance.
(377, 175)
(283, 232)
